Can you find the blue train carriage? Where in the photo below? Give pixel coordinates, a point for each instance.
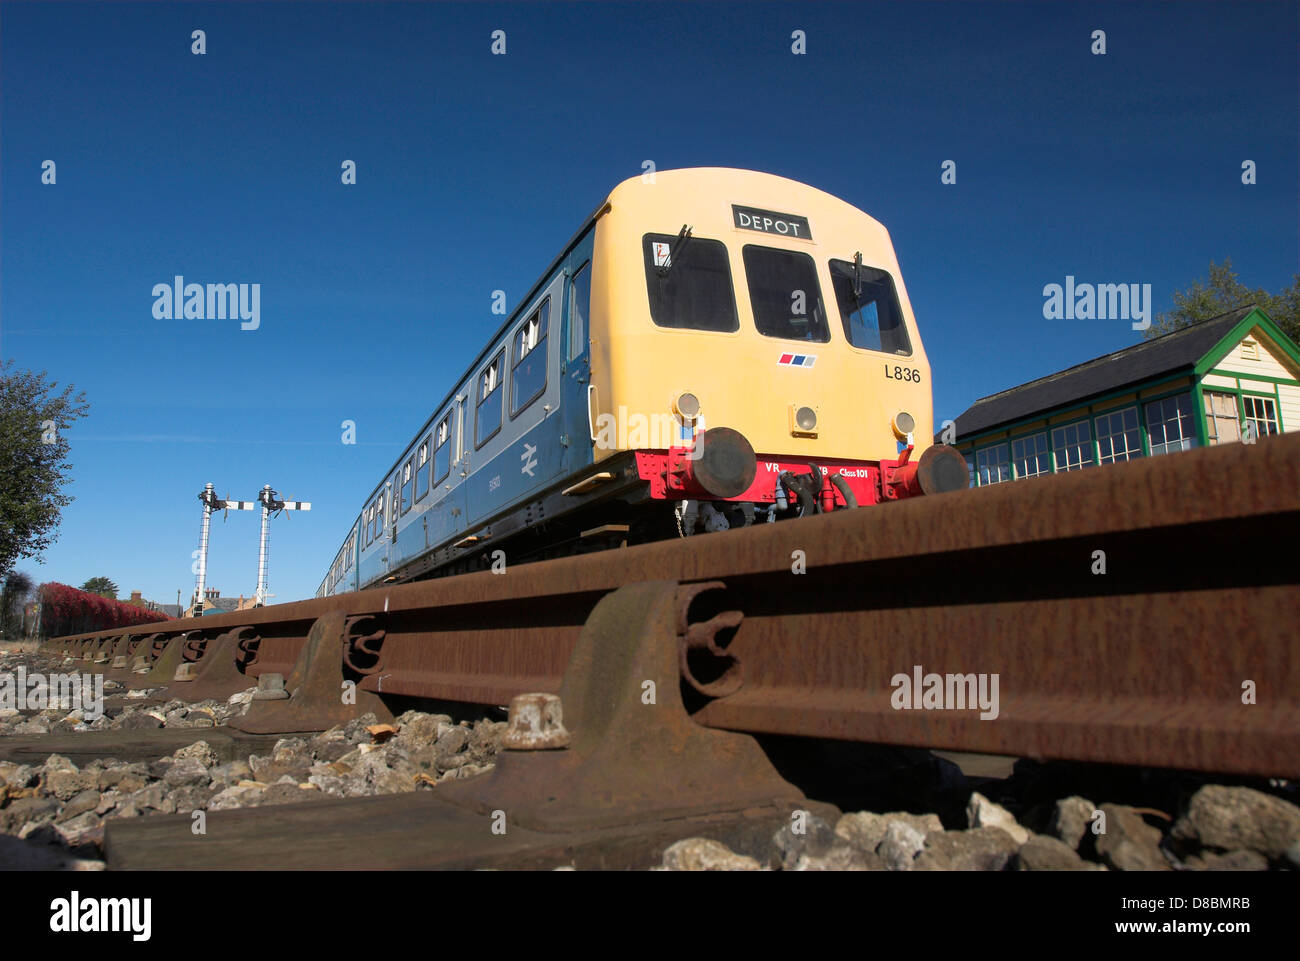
(656, 380)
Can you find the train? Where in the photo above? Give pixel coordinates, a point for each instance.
(712, 348)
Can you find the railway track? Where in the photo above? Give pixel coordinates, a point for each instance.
(1100, 601)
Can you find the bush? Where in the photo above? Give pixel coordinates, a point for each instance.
(66, 610)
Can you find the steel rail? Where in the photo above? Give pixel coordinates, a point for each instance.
(1184, 653)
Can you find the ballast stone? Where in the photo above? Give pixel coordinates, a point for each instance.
(983, 813)
(1233, 818)
(1071, 819)
(703, 854)
(866, 829)
(1129, 843)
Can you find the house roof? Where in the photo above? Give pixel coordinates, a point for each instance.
(1166, 354)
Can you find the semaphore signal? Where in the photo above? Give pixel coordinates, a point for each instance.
(271, 505)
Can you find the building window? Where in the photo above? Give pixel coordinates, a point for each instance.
(1118, 436)
(970, 468)
(1169, 424)
(1030, 457)
(1221, 424)
(992, 465)
(1072, 446)
(1261, 412)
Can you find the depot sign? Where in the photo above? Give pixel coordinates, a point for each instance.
(771, 222)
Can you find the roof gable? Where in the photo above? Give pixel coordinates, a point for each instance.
(1270, 338)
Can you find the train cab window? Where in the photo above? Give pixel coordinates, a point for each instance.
(869, 308)
(442, 450)
(487, 419)
(579, 307)
(785, 294)
(408, 483)
(528, 359)
(689, 280)
(422, 468)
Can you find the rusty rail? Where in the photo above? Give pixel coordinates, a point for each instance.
(1184, 653)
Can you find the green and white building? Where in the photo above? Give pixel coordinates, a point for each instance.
(1211, 383)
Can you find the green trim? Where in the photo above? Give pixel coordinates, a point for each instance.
(1239, 376)
(1202, 429)
(1256, 318)
(1100, 399)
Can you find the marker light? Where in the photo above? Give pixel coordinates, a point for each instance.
(903, 424)
(687, 405)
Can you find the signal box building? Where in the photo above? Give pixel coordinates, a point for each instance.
(1209, 383)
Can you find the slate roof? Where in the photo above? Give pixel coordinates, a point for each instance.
(1153, 358)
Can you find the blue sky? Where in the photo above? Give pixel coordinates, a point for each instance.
(473, 169)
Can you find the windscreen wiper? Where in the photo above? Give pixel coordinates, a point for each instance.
(683, 238)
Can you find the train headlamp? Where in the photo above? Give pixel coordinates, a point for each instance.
(903, 424)
(687, 406)
(803, 420)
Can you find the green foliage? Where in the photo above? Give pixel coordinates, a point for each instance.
(1222, 292)
(101, 586)
(33, 461)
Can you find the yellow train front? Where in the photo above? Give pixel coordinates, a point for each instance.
(712, 348)
(753, 343)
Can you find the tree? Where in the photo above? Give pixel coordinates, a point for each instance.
(101, 586)
(1222, 292)
(33, 461)
(15, 594)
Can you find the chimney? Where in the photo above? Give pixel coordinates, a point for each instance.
(212, 593)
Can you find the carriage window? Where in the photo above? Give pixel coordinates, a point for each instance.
(379, 517)
(869, 308)
(784, 292)
(528, 374)
(422, 469)
(487, 421)
(690, 283)
(442, 450)
(408, 481)
(579, 307)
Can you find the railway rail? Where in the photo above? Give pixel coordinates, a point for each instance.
(1099, 599)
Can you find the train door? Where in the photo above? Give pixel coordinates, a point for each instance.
(575, 360)
(388, 530)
